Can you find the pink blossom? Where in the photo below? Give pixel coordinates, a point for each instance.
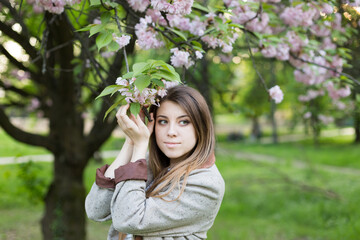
(226, 48)
(327, 44)
(292, 16)
(336, 24)
(156, 16)
(180, 58)
(282, 52)
(334, 93)
(182, 7)
(344, 92)
(327, 8)
(34, 104)
(107, 54)
(162, 92)
(20, 74)
(122, 41)
(259, 24)
(311, 94)
(198, 55)
(241, 17)
(211, 41)
(276, 94)
(197, 27)
(321, 30)
(307, 115)
(225, 58)
(269, 51)
(121, 82)
(339, 105)
(147, 36)
(139, 5)
(325, 119)
(169, 84)
(179, 22)
(295, 42)
(97, 21)
(38, 9)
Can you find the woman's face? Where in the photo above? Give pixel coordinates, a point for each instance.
(174, 132)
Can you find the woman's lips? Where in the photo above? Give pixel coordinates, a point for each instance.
(171, 144)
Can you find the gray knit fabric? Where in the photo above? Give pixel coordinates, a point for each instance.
(131, 212)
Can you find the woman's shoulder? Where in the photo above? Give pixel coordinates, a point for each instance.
(208, 177)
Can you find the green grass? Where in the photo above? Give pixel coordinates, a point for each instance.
(339, 151)
(10, 147)
(262, 201)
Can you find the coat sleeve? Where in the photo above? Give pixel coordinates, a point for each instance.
(97, 202)
(193, 212)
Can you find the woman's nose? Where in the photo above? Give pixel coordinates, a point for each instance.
(172, 131)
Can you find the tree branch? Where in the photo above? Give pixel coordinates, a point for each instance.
(14, 61)
(22, 136)
(100, 131)
(328, 68)
(22, 40)
(16, 16)
(16, 90)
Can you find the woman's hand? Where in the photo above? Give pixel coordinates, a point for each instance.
(137, 133)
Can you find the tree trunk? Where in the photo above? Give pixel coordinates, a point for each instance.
(273, 123)
(64, 212)
(357, 126)
(273, 107)
(256, 130)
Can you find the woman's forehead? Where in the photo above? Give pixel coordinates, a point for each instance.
(170, 108)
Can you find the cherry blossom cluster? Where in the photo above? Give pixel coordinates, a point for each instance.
(148, 96)
(181, 7)
(324, 119)
(53, 6)
(182, 58)
(276, 94)
(147, 36)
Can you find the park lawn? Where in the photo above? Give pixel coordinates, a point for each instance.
(10, 147)
(262, 201)
(336, 151)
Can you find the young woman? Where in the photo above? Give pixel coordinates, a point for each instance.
(177, 192)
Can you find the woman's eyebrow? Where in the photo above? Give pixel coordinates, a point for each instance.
(163, 116)
(182, 116)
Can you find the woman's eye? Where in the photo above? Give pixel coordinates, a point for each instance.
(162, 122)
(184, 122)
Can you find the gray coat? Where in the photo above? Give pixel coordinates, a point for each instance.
(131, 212)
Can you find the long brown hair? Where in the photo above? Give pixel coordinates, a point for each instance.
(196, 107)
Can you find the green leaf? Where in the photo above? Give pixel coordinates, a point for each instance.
(95, 2)
(196, 43)
(135, 108)
(170, 76)
(108, 90)
(84, 29)
(113, 46)
(103, 39)
(113, 4)
(128, 75)
(117, 103)
(105, 17)
(142, 81)
(236, 25)
(157, 82)
(198, 48)
(200, 7)
(138, 68)
(95, 29)
(180, 34)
